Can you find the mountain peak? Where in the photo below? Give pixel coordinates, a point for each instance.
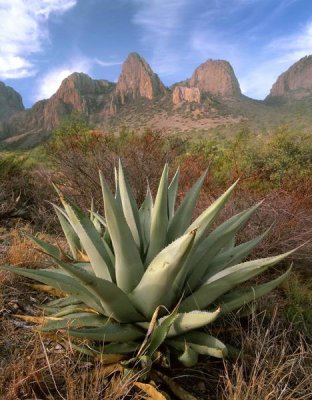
(296, 82)
(137, 79)
(216, 77)
(83, 83)
(10, 102)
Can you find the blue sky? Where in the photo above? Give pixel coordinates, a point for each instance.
(43, 41)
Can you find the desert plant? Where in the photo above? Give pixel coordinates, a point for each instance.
(141, 278)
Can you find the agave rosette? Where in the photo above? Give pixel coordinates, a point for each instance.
(144, 276)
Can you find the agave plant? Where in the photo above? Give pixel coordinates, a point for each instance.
(143, 277)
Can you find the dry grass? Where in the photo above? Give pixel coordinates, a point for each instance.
(23, 252)
(276, 363)
(44, 370)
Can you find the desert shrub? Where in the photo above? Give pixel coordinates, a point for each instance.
(298, 302)
(16, 189)
(282, 159)
(275, 168)
(79, 154)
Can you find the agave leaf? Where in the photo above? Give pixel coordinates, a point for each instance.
(225, 280)
(117, 189)
(159, 218)
(100, 219)
(108, 360)
(214, 242)
(128, 265)
(129, 207)
(232, 256)
(48, 248)
(160, 333)
(189, 357)
(62, 282)
(155, 287)
(119, 348)
(193, 320)
(33, 318)
(107, 239)
(229, 245)
(145, 213)
(60, 303)
(206, 344)
(71, 309)
(75, 320)
(149, 327)
(239, 298)
(49, 290)
(205, 220)
(111, 257)
(200, 342)
(110, 332)
(98, 226)
(114, 301)
(92, 209)
(86, 266)
(71, 236)
(96, 222)
(90, 240)
(202, 224)
(183, 215)
(172, 193)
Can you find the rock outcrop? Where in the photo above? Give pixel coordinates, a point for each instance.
(216, 77)
(181, 94)
(296, 82)
(78, 92)
(10, 102)
(139, 100)
(138, 80)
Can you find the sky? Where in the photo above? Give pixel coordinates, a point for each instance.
(44, 41)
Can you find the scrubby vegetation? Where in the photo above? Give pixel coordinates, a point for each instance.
(275, 361)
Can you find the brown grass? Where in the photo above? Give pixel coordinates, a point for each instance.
(22, 252)
(276, 363)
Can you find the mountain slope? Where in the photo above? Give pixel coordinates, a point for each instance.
(10, 102)
(295, 83)
(78, 92)
(211, 98)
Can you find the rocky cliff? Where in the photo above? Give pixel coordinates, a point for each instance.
(138, 80)
(296, 82)
(181, 94)
(216, 77)
(78, 92)
(10, 102)
(211, 97)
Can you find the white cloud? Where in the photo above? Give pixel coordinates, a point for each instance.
(106, 63)
(292, 47)
(159, 17)
(209, 44)
(277, 57)
(24, 31)
(161, 22)
(50, 82)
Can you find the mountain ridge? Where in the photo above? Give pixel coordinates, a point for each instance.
(211, 96)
